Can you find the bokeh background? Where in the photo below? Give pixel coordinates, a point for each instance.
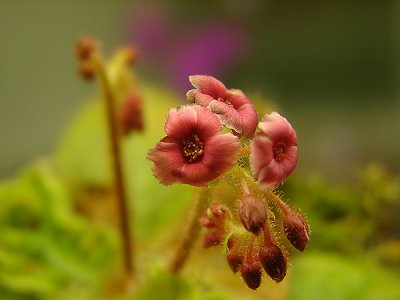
(332, 68)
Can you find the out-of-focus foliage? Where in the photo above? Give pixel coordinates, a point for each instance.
(357, 224)
(174, 287)
(82, 160)
(353, 217)
(47, 251)
(339, 277)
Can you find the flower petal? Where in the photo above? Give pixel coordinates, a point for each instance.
(197, 174)
(278, 128)
(249, 118)
(274, 173)
(227, 115)
(181, 122)
(168, 161)
(289, 161)
(195, 96)
(236, 97)
(208, 85)
(261, 153)
(221, 152)
(208, 123)
(271, 175)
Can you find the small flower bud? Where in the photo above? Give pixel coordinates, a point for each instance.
(212, 239)
(206, 222)
(296, 230)
(219, 211)
(232, 241)
(252, 212)
(131, 114)
(234, 260)
(86, 70)
(251, 273)
(273, 261)
(85, 47)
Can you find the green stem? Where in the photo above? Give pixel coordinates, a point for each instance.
(116, 159)
(278, 201)
(190, 232)
(244, 151)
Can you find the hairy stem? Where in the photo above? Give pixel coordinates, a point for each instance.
(190, 232)
(244, 151)
(116, 160)
(278, 201)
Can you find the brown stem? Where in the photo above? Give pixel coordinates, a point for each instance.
(116, 160)
(191, 232)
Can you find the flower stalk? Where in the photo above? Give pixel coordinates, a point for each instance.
(190, 232)
(116, 160)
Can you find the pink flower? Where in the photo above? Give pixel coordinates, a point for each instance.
(273, 154)
(193, 152)
(232, 107)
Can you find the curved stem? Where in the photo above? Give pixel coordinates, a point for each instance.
(116, 159)
(191, 231)
(282, 205)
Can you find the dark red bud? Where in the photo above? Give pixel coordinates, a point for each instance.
(86, 70)
(252, 212)
(85, 47)
(274, 262)
(231, 242)
(251, 273)
(131, 114)
(206, 222)
(234, 261)
(296, 230)
(219, 211)
(212, 239)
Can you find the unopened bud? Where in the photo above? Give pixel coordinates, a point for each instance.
(212, 239)
(131, 114)
(274, 262)
(219, 211)
(232, 241)
(251, 273)
(86, 70)
(296, 230)
(206, 222)
(85, 47)
(234, 260)
(252, 212)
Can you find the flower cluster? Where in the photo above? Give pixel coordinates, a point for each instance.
(252, 162)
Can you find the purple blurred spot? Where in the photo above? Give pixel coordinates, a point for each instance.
(212, 47)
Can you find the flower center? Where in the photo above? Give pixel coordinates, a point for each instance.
(192, 148)
(279, 151)
(226, 101)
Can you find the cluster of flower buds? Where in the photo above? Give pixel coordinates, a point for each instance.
(116, 77)
(195, 152)
(85, 47)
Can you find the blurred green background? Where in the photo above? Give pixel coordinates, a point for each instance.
(331, 68)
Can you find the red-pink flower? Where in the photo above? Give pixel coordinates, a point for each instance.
(273, 154)
(232, 107)
(193, 152)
